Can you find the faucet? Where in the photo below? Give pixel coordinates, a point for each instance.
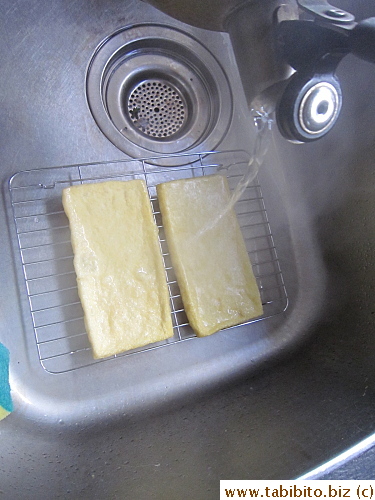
(310, 103)
(287, 52)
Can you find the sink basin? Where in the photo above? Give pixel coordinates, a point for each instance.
(270, 400)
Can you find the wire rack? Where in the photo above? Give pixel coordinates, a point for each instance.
(43, 238)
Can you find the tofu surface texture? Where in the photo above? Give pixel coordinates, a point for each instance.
(208, 253)
(117, 258)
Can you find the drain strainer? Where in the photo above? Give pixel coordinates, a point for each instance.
(153, 88)
(157, 108)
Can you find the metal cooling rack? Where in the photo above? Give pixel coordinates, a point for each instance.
(43, 237)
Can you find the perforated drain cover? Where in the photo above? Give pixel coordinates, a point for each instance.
(157, 108)
(155, 89)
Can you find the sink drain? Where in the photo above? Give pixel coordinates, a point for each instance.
(157, 108)
(152, 88)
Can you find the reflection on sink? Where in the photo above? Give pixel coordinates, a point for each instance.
(272, 400)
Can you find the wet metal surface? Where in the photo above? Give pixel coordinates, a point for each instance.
(171, 426)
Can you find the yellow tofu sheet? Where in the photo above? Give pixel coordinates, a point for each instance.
(208, 253)
(117, 258)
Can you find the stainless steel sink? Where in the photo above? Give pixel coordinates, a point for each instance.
(274, 399)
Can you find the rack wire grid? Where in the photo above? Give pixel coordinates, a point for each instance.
(43, 237)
